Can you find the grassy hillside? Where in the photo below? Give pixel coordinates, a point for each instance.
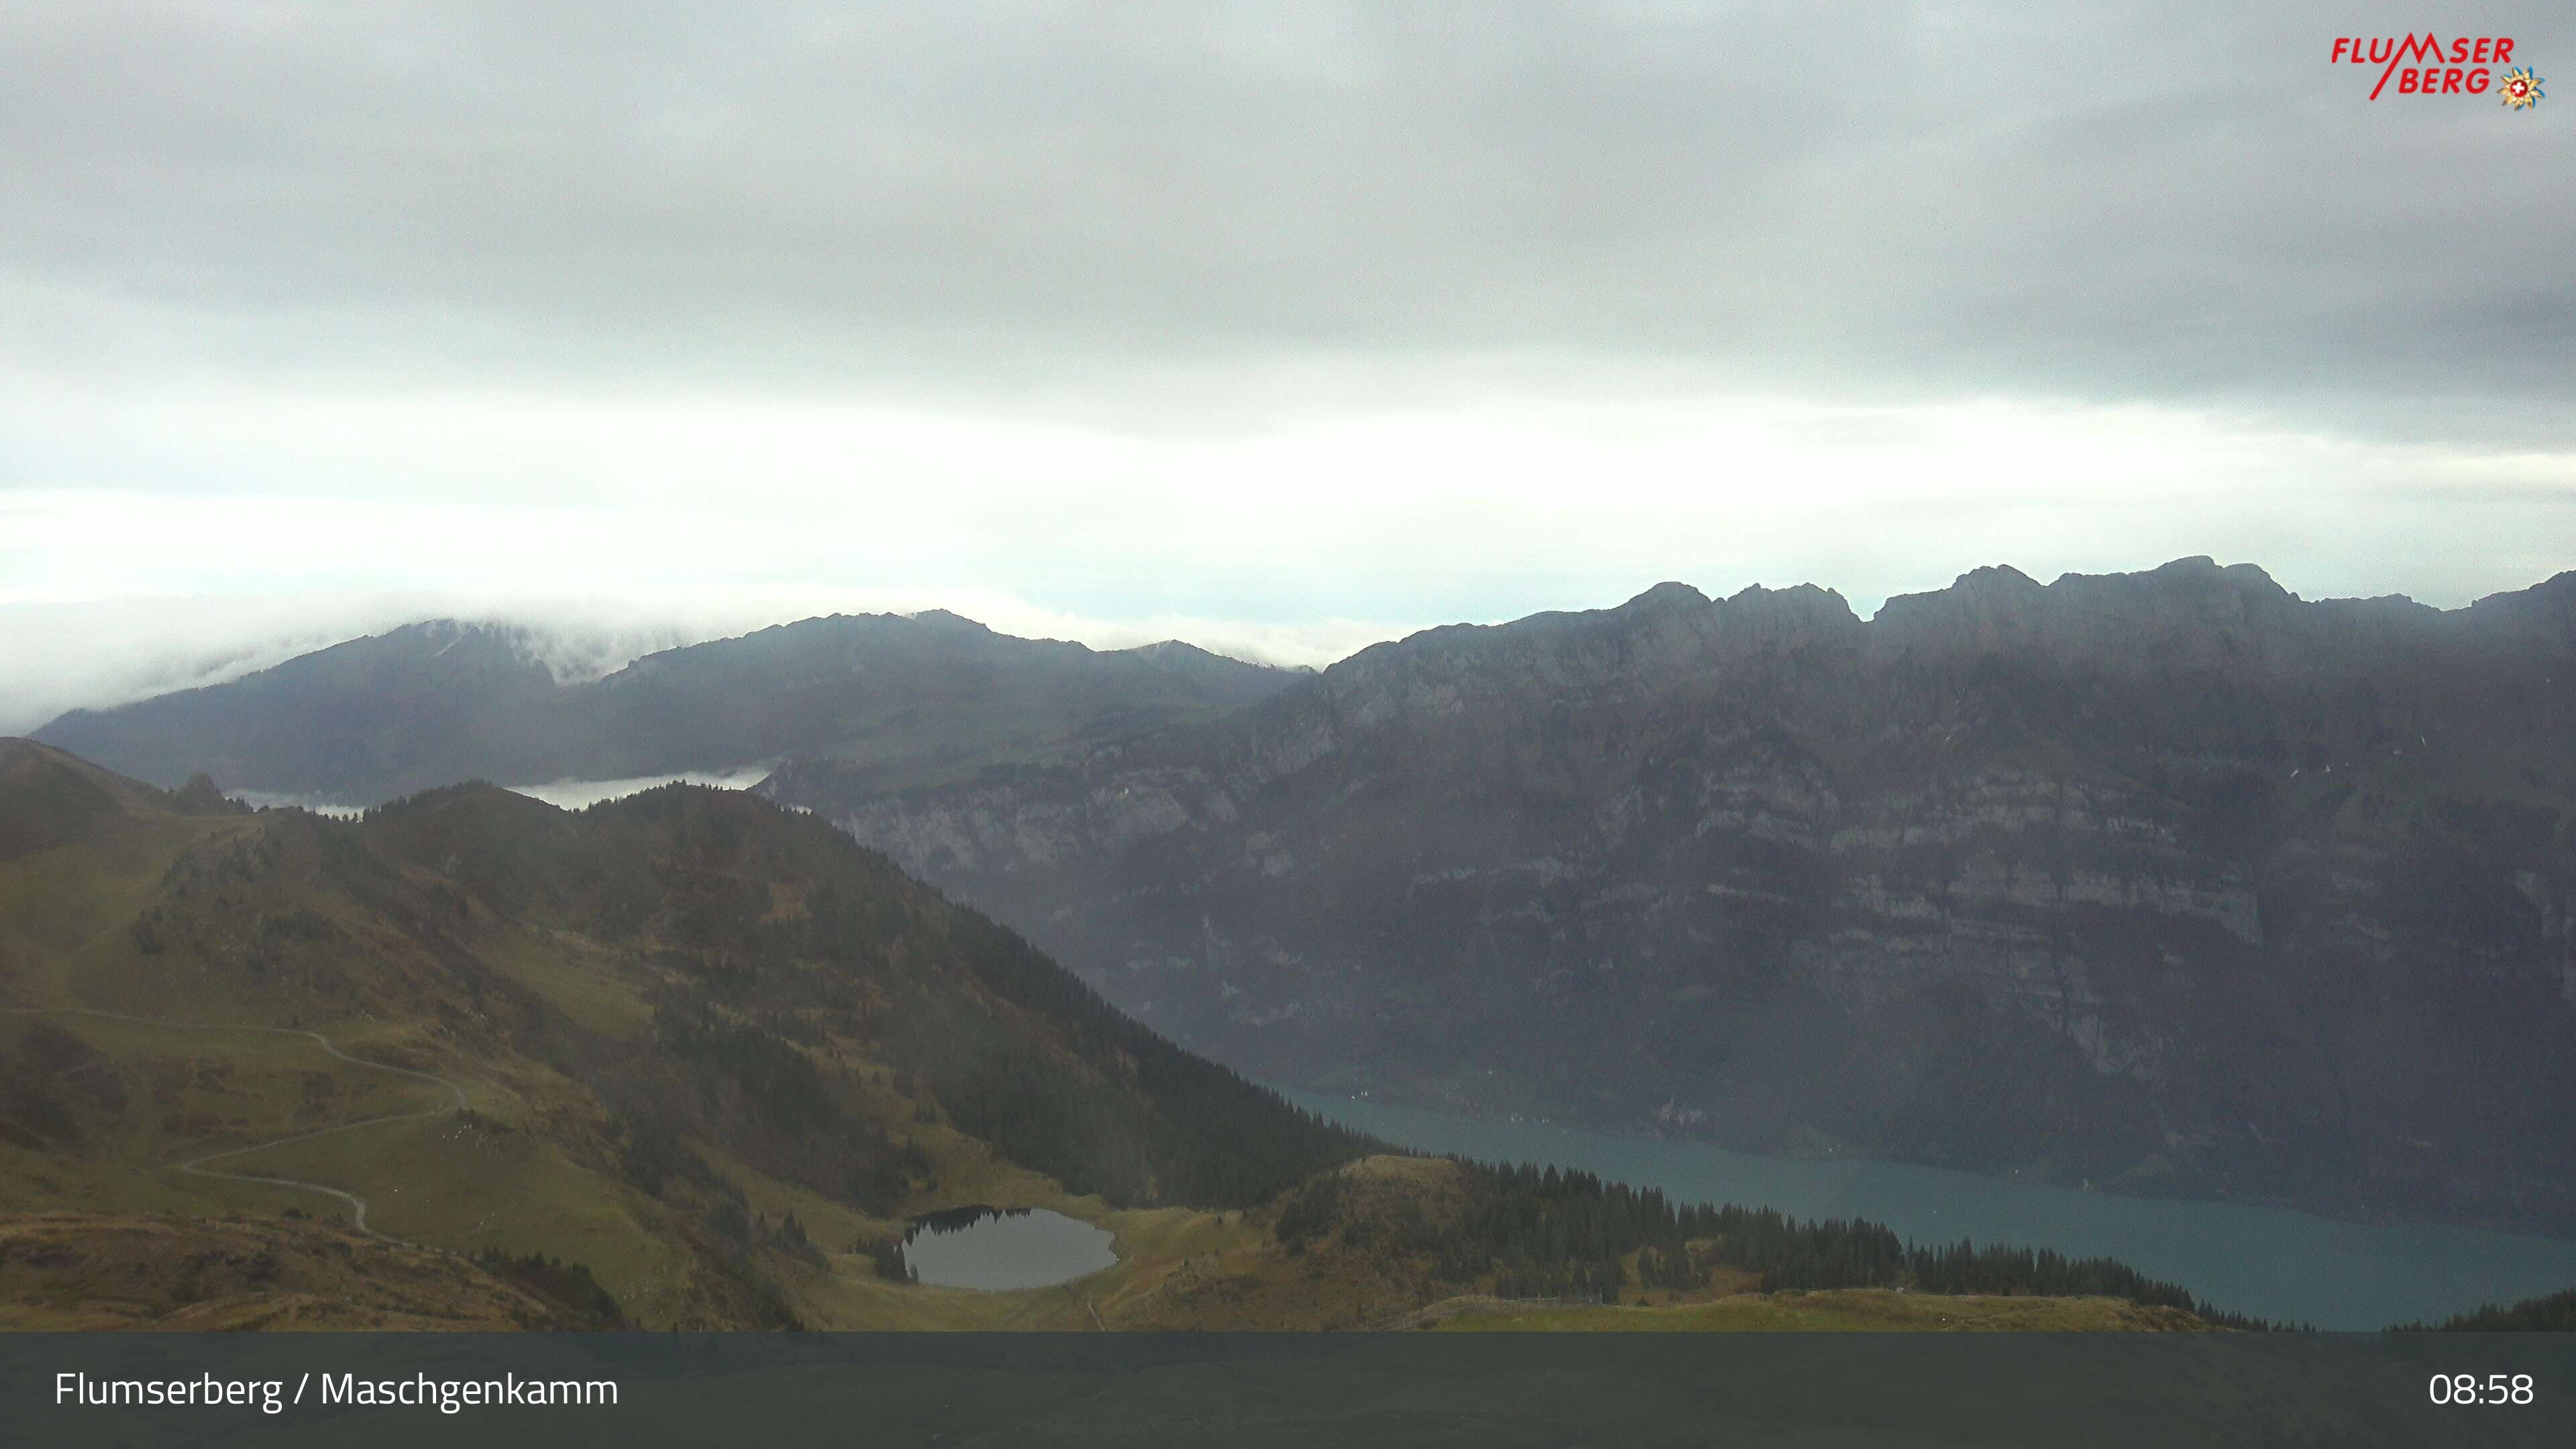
(62, 1271)
(690, 1060)
(673, 1022)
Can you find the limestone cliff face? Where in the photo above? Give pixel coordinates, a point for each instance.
(2168, 880)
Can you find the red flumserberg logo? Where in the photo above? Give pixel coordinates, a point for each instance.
(2426, 65)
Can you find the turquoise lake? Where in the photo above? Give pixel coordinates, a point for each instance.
(2270, 1262)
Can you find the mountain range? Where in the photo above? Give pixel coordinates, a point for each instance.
(689, 1060)
(898, 699)
(2169, 882)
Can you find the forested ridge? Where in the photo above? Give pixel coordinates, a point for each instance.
(2555, 1313)
(1529, 1232)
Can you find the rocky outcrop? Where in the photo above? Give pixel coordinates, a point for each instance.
(2170, 880)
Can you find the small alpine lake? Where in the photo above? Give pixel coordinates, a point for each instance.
(1000, 1250)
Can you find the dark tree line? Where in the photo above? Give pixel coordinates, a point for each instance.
(887, 1255)
(2553, 1314)
(567, 1284)
(1539, 1232)
(773, 1103)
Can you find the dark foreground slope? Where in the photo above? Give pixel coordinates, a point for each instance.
(2170, 880)
(86, 1271)
(896, 699)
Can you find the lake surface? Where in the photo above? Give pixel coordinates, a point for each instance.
(2270, 1262)
(999, 1249)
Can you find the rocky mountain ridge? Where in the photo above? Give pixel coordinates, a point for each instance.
(2170, 880)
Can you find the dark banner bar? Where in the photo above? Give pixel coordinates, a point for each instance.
(641, 1391)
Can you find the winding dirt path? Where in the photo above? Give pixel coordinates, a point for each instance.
(196, 1166)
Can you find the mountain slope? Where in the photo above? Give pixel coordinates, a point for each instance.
(2169, 879)
(899, 699)
(688, 1060)
(74, 1271)
(675, 1021)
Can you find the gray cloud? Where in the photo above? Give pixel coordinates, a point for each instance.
(2177, 204)
(1273, 326)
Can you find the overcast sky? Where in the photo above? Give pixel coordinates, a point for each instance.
(1280, 327)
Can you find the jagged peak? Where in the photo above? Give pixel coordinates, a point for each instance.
(2255, 576)
(1998, 578)
(837, 622)
(2187, 609)
(2197, 570)
(1987, 583)
(2003, 582)
(1797, 598)
(1668, 595)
